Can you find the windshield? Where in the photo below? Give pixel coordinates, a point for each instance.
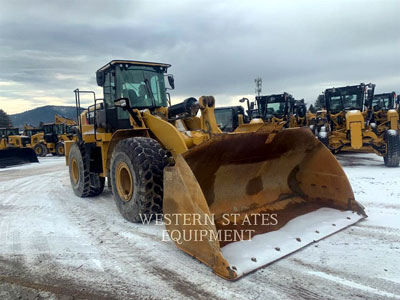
(31, 132)
(143, 86)
(224, 119)
(12, 131)
(48, 129)
(384, 101)
(339, 100)
(68, 129)
(275, 108)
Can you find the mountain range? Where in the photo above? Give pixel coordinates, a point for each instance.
(43, 114)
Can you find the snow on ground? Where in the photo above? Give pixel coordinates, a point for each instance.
(54, 244)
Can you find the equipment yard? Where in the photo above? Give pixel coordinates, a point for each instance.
(54, 244)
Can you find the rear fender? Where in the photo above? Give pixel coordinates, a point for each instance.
(393, 118)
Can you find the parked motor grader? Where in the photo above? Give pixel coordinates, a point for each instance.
(230, 117)
(162, 158)
(382, 113)
(13, 150)
(347, 125)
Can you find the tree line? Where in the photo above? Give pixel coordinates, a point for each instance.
(5, 120)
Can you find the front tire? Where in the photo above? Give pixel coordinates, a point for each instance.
(60, 149)
(137, 167)
(84, 183)
(40, 150)
(391, 158)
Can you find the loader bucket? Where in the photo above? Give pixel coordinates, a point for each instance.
(17, 156)
(243, 200)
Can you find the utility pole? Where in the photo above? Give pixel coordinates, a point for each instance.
(258, 82)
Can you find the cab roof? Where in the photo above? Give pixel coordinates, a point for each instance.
(133, 62)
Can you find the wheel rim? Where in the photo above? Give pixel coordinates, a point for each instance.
(61, 149)
(74, 170)
(38, 150)
(124, 182)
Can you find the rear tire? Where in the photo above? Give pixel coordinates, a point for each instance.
(60, 149)
(137, 167)
(83, 182)
(40, 150)
(391, 158)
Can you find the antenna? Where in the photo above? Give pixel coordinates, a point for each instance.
(258, 82)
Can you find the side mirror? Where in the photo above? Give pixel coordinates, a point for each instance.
(122, 102)
(100, 78)
(252, 105)
(171, 81)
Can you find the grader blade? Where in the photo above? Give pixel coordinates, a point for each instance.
(16, 156)
(244, 200)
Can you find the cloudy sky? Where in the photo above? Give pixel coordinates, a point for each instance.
(49, 48)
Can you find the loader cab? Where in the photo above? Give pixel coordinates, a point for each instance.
(275, 106)
(6, 132)
(142, 83)
(384, 101)
(228, 118)
(349, 98)
(52, 131)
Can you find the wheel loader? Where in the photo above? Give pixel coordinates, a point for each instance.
(349, 125)
(51, 138)
(273, 191)
(13, 150)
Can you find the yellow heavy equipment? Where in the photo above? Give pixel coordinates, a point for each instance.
(51, 137)
(235, 201)
(348, 124)
(382, 113)
(282, 110)
(13, 148)
(64, 120)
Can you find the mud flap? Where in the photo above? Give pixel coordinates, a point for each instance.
(17, 156)
(275, 192)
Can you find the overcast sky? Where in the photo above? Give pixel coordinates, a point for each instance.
(49, 48)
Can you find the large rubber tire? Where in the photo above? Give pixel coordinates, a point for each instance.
(40, 150)
(60, 149)
(83, 182)
(391, 158)
(137, 167)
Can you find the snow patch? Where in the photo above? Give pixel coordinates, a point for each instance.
(354, 285)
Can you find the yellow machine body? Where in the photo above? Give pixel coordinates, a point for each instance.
(259, 170)
(216, 181)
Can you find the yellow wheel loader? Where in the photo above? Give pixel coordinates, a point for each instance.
(13, 149)
(235, 201)
(50, 139)
(348, 124)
